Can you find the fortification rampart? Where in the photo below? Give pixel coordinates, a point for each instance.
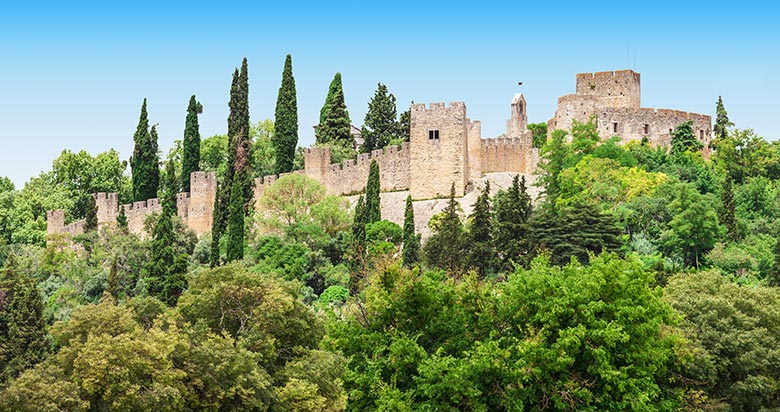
(656, 125)
(508, 155)
(611, 89)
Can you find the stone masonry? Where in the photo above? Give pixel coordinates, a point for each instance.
(445, 148)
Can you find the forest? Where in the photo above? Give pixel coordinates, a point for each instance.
(643, 279)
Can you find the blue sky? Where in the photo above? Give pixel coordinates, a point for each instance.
(74, 76)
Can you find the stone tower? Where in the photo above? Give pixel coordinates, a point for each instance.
(438, 150)
(517, 124)
(620, 88)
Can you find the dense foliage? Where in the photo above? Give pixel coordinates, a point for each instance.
(285, 137)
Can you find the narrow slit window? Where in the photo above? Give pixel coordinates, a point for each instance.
(701, 134)
(433, 135)
(614, 127)
(670, 131)
(646, 128)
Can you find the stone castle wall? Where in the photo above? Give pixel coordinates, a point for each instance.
(614, 99)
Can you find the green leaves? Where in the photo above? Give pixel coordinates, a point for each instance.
(285, 137)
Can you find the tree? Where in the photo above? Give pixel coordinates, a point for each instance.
(145, 161)
(578, 230)
(359, 224)
(694, 226)
(380, 125)
(538, 134)
(512, 227)
(411, 245)
(722, 122)
(285, 137)
(728, 215)
(405, 125)
(684, 140)
(191, 142)
(235, 227)
(480, 234)
(334, 127)
(773, 277)
(23, 339)
(445, 247)
(373, 209)
(555, 155)
(91, 222)
(165, 276)
(121, 220)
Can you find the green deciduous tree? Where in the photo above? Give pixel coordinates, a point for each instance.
(334, 127)
(191, 143)
(538, 133)
(693, 229)
(411, 245)
(145, 161)
(728, 214)
(380, 125)
(285, 137)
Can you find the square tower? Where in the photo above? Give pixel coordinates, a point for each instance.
(438, 150)
(620, 88)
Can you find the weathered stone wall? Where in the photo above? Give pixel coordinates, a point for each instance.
(55, 220)
(203, 190)
(435, 164)
(614, 99)
(508, 155)
(611, 89)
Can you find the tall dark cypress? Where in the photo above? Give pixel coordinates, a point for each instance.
(335, 124)
(222, 199)
(191, 156)
(121, 220)
(285, 137)
(242, 136)
(411, 246)
(145, 162)
(359, 222)
(161, 279)
(373, 209)
(91, 222)
(235, 227)
(728, 216)
(481, 253)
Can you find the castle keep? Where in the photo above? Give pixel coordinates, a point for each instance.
(445, 148)
(614, 99)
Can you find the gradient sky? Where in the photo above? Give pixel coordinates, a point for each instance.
(73, 74)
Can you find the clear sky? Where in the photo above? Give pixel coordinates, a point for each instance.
(73, 74)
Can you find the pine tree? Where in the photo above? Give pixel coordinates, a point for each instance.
(512, 229)
(373, 209)
(411, 245)
(722, 122)
(445, 248)
(359, 222)
(145, 161)
(481, 253)
(380, 125)
(576, 231)
(91, 223)
(191, 156)
(23, 341)
(112, 280)
(121, 220)
(285, 137)
(334, 127)
(235, 227)
(162, 281)
(683, 139)
(405, 125)
(728, 214)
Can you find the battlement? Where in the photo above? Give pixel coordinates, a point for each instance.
(439, 107)
(621, 88)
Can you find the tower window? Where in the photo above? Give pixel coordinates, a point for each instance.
(614, 127)
(701, 134)
(433, 135)
(646, 128)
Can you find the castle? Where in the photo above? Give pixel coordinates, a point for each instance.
(445, 148)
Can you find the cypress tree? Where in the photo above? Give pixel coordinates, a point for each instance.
(191, 156)
(411, 245)
(243, 139)
(380, 125)
(359, 222)
(162, 281)
(373, 210)
(512, 228)
(773, 277)
(145, 162)
(121, 220)
(285, 137)
(112, 280)
(91, 222)
(235, 227)
(481, 254)
(334, 124)
(23, 341)
(445, 247)
(728, 216)
(722, 122)
(405, 125)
